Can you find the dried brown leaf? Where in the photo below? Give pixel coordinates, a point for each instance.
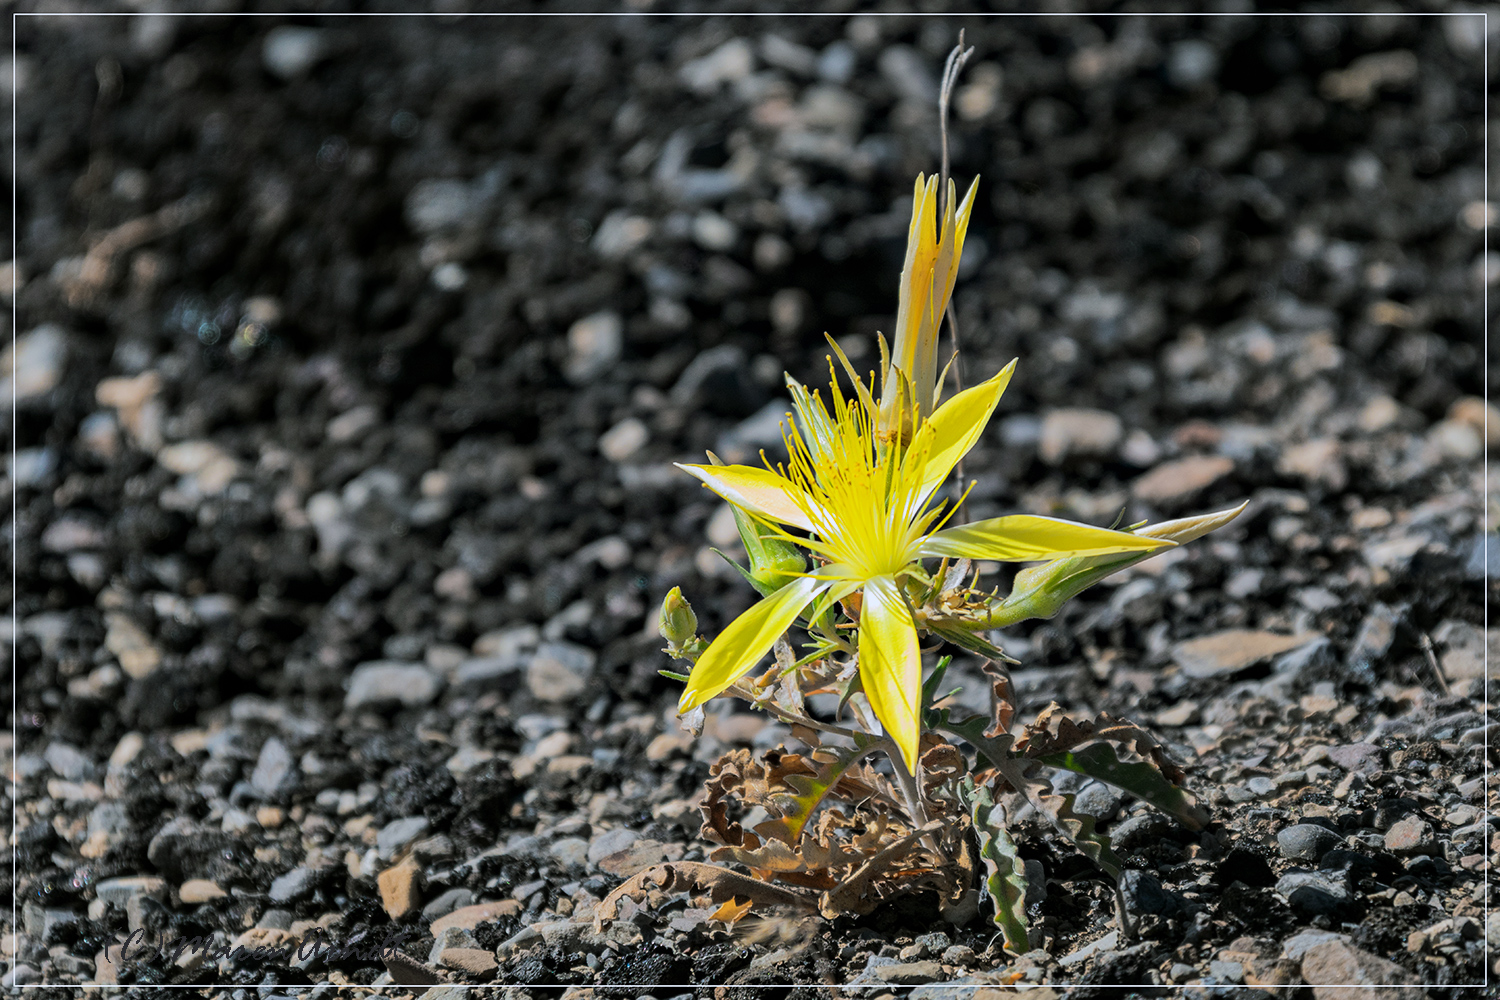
(1054, 732)
(719, 884)
(730, 911)
(1003, 698)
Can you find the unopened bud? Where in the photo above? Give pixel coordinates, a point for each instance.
(774, 561)
(677, 622)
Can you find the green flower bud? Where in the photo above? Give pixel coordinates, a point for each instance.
(774, 561)
(677, 622)
(1040, 591)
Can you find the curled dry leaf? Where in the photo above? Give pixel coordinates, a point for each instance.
(731, 911)
(1003, 698)
(1054, 732)
(858, 852)
(720, 885)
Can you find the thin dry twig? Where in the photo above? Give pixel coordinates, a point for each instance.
(1434, 665)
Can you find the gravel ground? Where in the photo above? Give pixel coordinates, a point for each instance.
(352, 357)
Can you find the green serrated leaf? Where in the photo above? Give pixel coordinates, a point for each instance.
(1079, 828)
(830, 762)
(1005, 878)
(997, 751)
(1145, 782)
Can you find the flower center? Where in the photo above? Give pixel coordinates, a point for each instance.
(861, 495)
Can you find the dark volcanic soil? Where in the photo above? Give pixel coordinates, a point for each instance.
(353, 354)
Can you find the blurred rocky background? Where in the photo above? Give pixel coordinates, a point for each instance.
(351, 354)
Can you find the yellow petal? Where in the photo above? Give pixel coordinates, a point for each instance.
(916, 275)
(1022, 537)
(950, 432)
(759, 491)
(749, 637)
(890, 664)
(955, 225)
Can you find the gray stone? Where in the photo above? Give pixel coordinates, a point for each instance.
(959, 954)
(1139, 830)
(1138, 601)
(594, 344)
(68, 762)
(1307, 841)
(1077, 431)
(237, 821)
(1412, 835)
(446, 903)
(451, 937)
(1226, 972)
(37, 359)
(1261, 786)
(436, 204)
(446, 993)
(836, 63)
(1191, 63)
(290, 51)
(962, 988)
(485, 671)
(41, 921)
(908, 72)
(118, 891)
(620, 234)
(909, 973)
(1301, 667)
(294, 885)
(1106, 943)
(1294, 947)
(560, 671)
(182, 849)
(1143, 893)
(1376, 634)
(762, 429)
(734, 60)
(71, 534)
(276, 920)
(398, 833)
(20, 974)
(1339, 971)
(1098, 800)
(275, 771)
(1244, 583)
(571, 852)
(1362, 758)
(387, 683)
(108, 818)
(936, 941)
(1484, 557)
(610, 842)
(1313, 894)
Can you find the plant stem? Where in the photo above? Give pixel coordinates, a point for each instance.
(739, 690)
(911, 791)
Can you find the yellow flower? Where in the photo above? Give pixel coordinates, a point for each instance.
(867, 507)
(927, 280)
